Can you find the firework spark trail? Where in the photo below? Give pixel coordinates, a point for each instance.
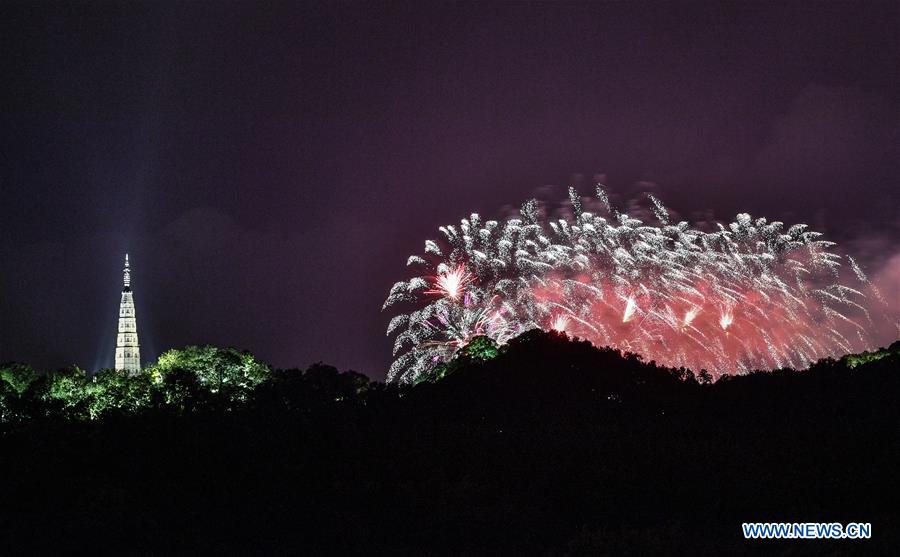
(750, 295)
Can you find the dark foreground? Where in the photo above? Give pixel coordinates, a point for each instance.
(553, 448)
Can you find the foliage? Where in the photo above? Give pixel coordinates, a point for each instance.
(225, 374)
(114, 392)
(65, 393)
(8, 403)
(185, 380)
(481, 348)
(182, 381)
(320, 385)
(208, 378)
(853, 360)
(18, 376)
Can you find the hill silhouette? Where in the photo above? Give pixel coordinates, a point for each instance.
(548, 447)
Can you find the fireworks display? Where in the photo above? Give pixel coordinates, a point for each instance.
(750, 295)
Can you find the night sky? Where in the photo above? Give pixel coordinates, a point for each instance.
(270, 168)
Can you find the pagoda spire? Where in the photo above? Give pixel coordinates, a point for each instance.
(126, 274)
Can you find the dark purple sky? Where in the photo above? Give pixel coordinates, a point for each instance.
(270, 168)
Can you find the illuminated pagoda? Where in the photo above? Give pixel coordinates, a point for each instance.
(128, 351)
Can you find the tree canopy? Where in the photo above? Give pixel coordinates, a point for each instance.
(210, 378)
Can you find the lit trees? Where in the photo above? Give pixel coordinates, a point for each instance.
(18, 376)
(64, 393)
(226, 374)
(114, 391)
(181, 380)
(15, 380)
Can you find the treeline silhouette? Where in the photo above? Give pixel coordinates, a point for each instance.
(546, 446)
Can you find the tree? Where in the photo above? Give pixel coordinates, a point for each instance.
(319, 385)
(8, 403)
(227, 374)
(114, 391)
(334, 385)
(18, 376)
(15, 380)
(63, 393)
(182, 391)
(481, 348)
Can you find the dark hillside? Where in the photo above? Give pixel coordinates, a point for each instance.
(554, 447)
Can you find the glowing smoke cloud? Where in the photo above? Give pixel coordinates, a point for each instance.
(750, 295)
